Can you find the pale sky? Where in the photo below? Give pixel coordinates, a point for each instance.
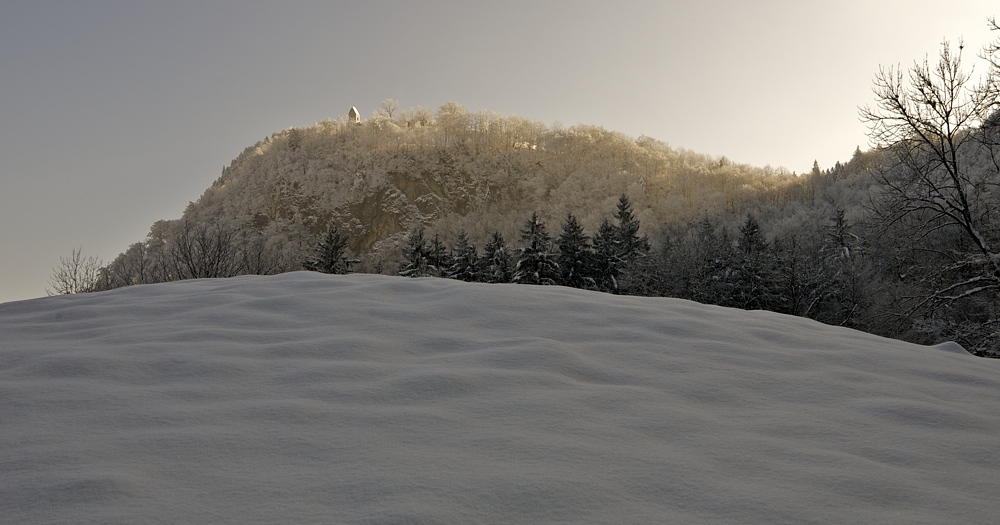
(116, 114)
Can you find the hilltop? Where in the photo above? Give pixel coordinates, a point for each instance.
(824, 244)
(378, 179)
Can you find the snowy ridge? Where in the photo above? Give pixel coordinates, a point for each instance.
(306, 398)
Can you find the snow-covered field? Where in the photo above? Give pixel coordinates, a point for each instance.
(306, 398)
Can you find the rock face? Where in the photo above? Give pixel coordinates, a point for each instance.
(375, 181)
(298, 183)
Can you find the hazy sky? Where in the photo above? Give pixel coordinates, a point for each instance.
(116, 114)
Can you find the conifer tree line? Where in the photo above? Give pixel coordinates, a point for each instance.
(569, 259)
(824, 272)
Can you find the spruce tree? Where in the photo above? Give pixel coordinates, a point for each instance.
(330, 255)
(576, 258)
(751, 242)
(536, 264)
(839, 241)
(754, 280)
(694, 263)
(437, 258)
(606, 262)
(709, 280)
(495, 266)
(631, 245)
(415, 255)
(618, 248)
(850, 280)
(464, 260)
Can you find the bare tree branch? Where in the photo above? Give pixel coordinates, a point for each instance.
(74, 274)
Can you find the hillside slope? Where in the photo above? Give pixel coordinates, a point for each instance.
(378, 179)
(309, 398)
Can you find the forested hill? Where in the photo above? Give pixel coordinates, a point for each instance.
(900, 241)
(455, 170)
(417, 193)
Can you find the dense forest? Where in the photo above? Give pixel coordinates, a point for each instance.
(900, 241)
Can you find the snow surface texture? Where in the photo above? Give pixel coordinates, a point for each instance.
(305, 398)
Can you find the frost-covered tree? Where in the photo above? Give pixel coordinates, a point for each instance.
(453, 120)
(387, 109)
(536, 264)
(416, 117)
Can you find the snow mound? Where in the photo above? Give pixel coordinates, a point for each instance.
(951, 346)
(305, 398)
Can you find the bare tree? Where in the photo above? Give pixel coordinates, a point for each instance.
(991, 53)
(256, 257)
(134, 266)
(387, 109)
(932, 122)
(75, 274)
(415, 117)
(991, 134)
(205, 251)
(453, 119)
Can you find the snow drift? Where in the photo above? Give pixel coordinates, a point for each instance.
(306, 398)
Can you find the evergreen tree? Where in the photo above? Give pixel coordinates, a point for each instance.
(437, 258)
(839, 239)
(464, 260)
(415, 255)
(330, 255)
(713, 257)
(630, 245)
(797, 275)
(850, 281)
(751, 243)
(495, 266)
(536, 263)
(606, 262)
(754, 282)
(617, 248)
(632, 250)
(576, 257)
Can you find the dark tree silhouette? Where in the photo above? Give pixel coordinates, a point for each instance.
(536, 263)
(330, 254)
